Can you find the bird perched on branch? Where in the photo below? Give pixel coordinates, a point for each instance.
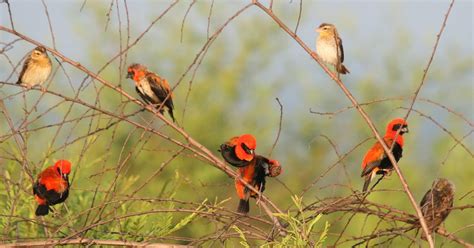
(437, 203)
(240, 152)
(52, 186)
(36, 68)
(376, 160)
(152, 88)
(329, 47)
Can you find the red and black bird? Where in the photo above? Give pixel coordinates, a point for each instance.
(152, 88)
(240, 152)
(376, 160)
(52, 186)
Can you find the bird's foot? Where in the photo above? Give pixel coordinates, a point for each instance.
(43, 89)
(386, 172)
(259, 198)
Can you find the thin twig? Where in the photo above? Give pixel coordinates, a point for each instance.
(279, 127)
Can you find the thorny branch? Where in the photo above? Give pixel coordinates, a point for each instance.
(349, 204)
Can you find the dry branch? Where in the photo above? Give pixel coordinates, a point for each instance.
(89, 242)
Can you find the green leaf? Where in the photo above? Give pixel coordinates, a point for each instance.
(243, 241)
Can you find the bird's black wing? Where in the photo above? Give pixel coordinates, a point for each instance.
(371, 166)
(39, 189)
(228, 153)
(62, 197)
(160, 91)
(52, 197)
(261, 169)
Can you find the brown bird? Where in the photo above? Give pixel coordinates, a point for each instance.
(36, 68)
(152, 88)
(329, 47)
(437, 203)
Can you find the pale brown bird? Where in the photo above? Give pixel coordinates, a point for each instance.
(437, 203)
(36, 68)
(329, 47)
(152, 88)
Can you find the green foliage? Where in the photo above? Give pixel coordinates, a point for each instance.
(133, 221)
(299, 232)
(301, 228)
(243, 241)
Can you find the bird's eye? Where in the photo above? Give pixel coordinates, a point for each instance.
(396, 127)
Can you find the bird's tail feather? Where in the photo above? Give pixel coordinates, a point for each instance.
(342, 69)
(244, 206)
(366, 183)
(170, 111)
(42, 210)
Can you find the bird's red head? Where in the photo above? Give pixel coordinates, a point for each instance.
(395, 125)
(245, 147)
(63, 166)
(136, 72)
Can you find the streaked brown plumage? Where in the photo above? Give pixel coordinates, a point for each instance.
(152, 88)
(437, 203)
(36, 68)
(329, 47)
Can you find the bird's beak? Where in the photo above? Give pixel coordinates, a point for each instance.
(247, 150)
(65, 176)
(405, 129)
(129, 75)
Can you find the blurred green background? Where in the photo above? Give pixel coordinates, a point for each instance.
(252, 62)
